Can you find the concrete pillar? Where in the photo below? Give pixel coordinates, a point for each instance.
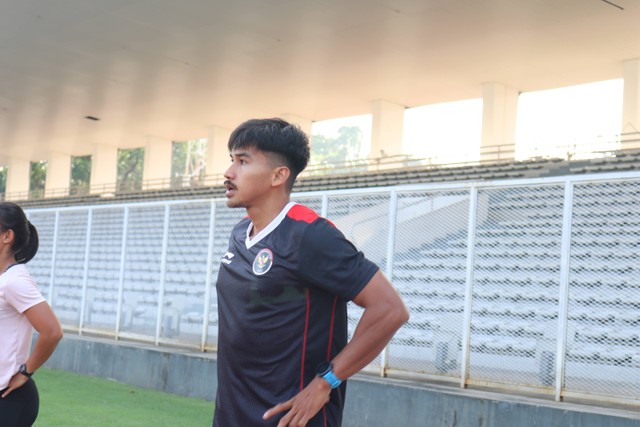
(499, 109)
(631, 104)
(18, 177)
(302, 122)
(217, 154)
(387, 123)
(58, 174)
(104, 169)
(157, 163)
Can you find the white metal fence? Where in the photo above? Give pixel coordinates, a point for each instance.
(526, 284)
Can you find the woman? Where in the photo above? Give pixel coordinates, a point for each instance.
(22, 309)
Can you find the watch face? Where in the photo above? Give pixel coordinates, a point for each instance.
(323, 368)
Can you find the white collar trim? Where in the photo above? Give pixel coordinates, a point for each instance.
(249, 242)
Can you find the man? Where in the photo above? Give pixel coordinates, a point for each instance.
(283, 286)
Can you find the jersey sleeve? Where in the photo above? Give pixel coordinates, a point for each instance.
(331, 262)
(22, 293)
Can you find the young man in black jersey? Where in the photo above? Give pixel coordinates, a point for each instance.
(283, 286)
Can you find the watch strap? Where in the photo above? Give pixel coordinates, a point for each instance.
(330, 377)
(23, 371)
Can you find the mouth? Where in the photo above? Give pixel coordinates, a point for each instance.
(230, 188)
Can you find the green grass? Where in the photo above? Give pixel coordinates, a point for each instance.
(71, 400)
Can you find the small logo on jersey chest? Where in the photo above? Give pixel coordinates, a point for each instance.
(263, 262)
(226, 259)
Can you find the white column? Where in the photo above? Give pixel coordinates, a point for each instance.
(217, 154)
(302, 122)
(387, 123)
(18, 177)
(631, 103)
(499, 109)
(157, 163)
(58, 174)
(104, 169)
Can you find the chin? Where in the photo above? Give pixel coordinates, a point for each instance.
(234, 204)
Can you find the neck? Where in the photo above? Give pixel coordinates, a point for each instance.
(7, 264)
(263, 215)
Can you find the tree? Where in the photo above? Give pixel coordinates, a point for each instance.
(37, 179)
(188, 160)
(3, 179)
(80, 174)
(346, 146)
(130, 167)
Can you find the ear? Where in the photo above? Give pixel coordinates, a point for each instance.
(280, 176)
(8, 236)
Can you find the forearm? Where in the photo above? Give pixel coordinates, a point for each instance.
(49, 331)
(374, 331)
(42, 350)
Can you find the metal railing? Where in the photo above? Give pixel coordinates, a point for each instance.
(604, 147)
(529, 284)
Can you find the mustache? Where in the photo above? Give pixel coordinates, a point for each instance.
(228, 183)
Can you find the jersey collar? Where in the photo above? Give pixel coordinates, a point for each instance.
(249, 242)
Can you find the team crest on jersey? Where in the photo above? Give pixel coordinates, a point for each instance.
(263, 262)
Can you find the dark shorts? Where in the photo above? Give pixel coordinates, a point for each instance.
(20, 408)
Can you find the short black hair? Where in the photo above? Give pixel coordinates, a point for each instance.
(276, 136)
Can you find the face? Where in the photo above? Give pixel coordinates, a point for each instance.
(248, 179)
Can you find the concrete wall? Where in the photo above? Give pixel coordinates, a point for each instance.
(172, 370)
(371, 402)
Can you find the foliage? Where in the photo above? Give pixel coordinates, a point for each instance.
(72, 400)
(37, 179)
(130, 167)
(3, 179)
(188, 160)
(80, 174)
(346, 146)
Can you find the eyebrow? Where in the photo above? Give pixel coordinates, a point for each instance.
(240, 154)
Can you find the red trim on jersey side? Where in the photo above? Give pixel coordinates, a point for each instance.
(333, 319)
(304, 339)
(331, 324)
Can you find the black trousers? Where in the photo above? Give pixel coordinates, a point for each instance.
(20, 408)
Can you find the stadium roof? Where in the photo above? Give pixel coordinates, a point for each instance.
(172, 69)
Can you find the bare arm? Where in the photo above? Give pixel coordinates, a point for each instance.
(384, 313)
(45, 322)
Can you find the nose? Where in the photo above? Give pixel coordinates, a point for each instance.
(228, 174)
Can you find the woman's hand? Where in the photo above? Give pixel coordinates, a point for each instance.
(16, 381)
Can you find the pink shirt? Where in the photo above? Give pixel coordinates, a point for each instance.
(18, 292)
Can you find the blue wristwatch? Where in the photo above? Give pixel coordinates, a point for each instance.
(325, 370)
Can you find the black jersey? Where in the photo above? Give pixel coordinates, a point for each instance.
(282, 299)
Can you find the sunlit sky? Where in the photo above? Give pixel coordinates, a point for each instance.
(548, 122)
